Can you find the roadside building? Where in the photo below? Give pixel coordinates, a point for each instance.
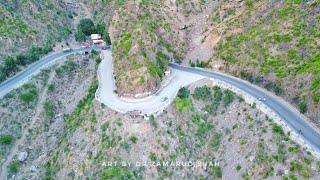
(97, 39)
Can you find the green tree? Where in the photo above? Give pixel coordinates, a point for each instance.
(100, 28)
(86, 26)
(183, 93)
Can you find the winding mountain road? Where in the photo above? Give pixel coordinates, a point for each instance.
(182, 76)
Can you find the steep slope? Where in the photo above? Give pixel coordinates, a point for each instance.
(145, 35)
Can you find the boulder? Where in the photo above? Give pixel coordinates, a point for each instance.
(22, 156)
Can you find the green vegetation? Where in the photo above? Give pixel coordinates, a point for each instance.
(12, 26)
(75, 119)
(48, 109)
(183, 93)
(228, 97)
(202, 93)
(277, 129)
(13, 167)
(153, 122)
(119, 173)
(303, 106)
(13, 64)
(201, 64)
(29, 94)
(203, 125)
(182, 104)
(133, 139)
(86, 27)
(68, 67)
(6, 139)
(215, 172)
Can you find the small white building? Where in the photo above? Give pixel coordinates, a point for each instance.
(97, 39)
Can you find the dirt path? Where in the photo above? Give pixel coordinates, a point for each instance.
(36, 117)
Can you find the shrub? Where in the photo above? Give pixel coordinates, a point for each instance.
(202, 93)
(116, 173)
(294, 149)
(182, 104)
(277, 129)
(238, 167)
(228, 97)
(183, 93)
(6, 139)
(215, 172)
(13, 167)
(29, 97)
(303, 106)
(153, 121)
(133, 139)
(48, 109)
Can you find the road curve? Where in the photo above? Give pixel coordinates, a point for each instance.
(295, 121)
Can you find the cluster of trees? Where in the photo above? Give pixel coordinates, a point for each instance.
(86, 27)
(12, 64)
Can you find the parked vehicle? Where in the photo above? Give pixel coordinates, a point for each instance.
(67, 50)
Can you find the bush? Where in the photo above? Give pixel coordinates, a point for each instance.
(228, 97)
(215, 172)
(30, 96)
(133, 139)
(48, 109)
(116, 173)
(202, 93)
(238, 167)
(182, 104)
(13, 167)
(153, 121)
(6, 139)
(277, 129)
(183, 93)
(303, 106)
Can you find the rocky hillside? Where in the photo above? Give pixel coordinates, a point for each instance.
(145, 35)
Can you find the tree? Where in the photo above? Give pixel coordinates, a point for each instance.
(86, 26)
(100, 28)
(183, 93)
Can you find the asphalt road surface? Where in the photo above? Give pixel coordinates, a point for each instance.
(295, 121)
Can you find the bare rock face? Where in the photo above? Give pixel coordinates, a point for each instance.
(22, 156)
